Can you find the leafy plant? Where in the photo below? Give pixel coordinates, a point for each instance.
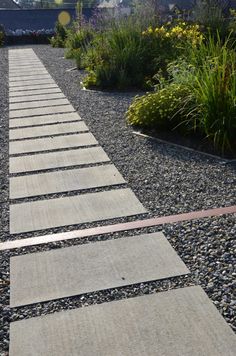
(116, 57)
(60, 36)
(163, 109)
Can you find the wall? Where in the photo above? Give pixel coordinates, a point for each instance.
(35, 19)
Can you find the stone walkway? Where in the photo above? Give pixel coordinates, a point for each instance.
(47, 136)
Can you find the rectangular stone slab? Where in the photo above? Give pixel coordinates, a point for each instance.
(180, 322)
(47, 130)
(28, 93)
(26, 83)
(38, 104)
(41, 111)
(51, 143)
(64, 181)
(44, 119)
(32, 87)
(92, 267)
(25, 68)
(22, 73)
(60, 159)
(26, 98)
(44, 214)
(32, 77)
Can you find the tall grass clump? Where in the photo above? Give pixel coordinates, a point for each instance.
(215, 91)
(116, 57)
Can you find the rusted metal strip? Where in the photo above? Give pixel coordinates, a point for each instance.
(139, 224)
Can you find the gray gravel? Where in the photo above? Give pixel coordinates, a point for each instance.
(166, 179)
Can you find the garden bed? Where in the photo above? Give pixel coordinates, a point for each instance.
(166, 179)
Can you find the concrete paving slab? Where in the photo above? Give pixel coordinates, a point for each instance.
(30, 92)
(180, 322)
(92, 267)
(25, 68)
(26, 83)
(32, 87)
(44, 214)
(52, 143)
(38, 104)
(41, 111)
(44, 119)
(47, 130)
(60, 159)
(26, 98)
(15, 63)
(25, 78)
(27, 74)
(64, 181)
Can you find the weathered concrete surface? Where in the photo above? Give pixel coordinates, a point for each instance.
(25, 83)
(27, 98)
(32, 87)
(96, 266)
(79, 209)
(57, 159)
(52, 143)
(47, 130)
(40, 111)
(181, 322)
(64, 181)
(38, 104)
(30, 92)
(22, 78)
(44, 119)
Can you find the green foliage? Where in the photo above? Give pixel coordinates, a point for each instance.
(199, 96)
(116, 58)
(163, 109)
(215, 91)
(77, 42)
(60, 36)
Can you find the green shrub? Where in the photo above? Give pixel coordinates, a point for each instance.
(116, 58)
(163, 109)
(76, 44)
(125, 56)
(209, 107)
(60, 36)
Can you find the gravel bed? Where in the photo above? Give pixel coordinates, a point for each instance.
(207, 247)
(166, 179)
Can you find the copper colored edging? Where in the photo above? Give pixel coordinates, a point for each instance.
(39, 240)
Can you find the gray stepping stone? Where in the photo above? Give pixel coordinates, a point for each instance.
(27, 73)
(49, 130)
(60, 159)
(38, 104)
(23, 78)
(26, 98)
(64, 181)
(52, 143)
(44, 214)
(44, 119)
(26, 83)
(25, 69)
(32, 87)
(92, 267)
(41, 111)
(180, 322)
(34, 92)
(15, 63)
